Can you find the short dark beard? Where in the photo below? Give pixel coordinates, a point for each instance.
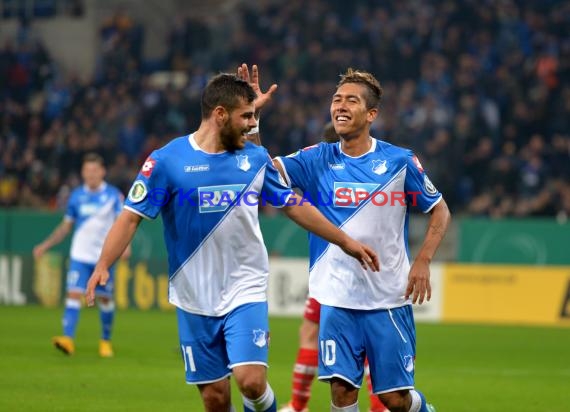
(230, 137)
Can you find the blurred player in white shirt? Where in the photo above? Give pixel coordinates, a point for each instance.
(91, 210)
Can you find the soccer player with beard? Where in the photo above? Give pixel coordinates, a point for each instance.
(218, 263)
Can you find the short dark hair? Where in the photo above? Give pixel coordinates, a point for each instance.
(225, 90)
(374, 90)
(93, 157)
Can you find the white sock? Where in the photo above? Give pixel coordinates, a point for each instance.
(350, 408)
(416, 401)
(262, 403)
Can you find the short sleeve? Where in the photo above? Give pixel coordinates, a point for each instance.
(297, 167)
(420, 191)
(275, 190)
(150, 191)
(72, 210)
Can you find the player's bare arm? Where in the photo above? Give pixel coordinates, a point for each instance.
(308, 217)
(58, 234)
(116, 242)
(253, 80)
(419, 286)
(261, 99)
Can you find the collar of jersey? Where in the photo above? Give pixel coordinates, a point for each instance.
(372, 149)
(101, 188)
(195, 146)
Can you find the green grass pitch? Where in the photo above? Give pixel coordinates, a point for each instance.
(459, 367)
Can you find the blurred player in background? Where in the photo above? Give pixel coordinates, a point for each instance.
(366, 186)
(307, 361)
(91, 210)
(218, 264)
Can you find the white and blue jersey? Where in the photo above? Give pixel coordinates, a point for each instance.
(93, 213)
(369, 197)
(209, 207)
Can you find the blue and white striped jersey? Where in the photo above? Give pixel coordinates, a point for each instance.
(209, 208)
(93, 213)
(369, 198)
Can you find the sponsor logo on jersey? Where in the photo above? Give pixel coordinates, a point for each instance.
(243, 162)
(379, 167)
(429, 187)
(147, 167)
(138, 191)
(349, 194)
(218, 198)
(196, 168)
(259, 338)
(88, 209)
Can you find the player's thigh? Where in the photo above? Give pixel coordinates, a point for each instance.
(203, 347)
(390, 348)
(341, 345)
(246, 332)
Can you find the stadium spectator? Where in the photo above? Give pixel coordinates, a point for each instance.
(91, 210)
(362, 315)
(218, 263)
(498, 70)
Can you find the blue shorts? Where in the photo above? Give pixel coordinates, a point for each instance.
(212, 345)
(386, 336)
(78, 275)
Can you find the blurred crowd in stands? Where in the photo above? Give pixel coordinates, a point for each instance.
(479, 89)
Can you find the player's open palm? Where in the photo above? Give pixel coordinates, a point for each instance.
(253, 80)
(99, 277)
(419, 287)
(365, 255)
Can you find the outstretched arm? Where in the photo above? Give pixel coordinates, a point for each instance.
(55, 237)
(117, 240)
(308, 217)
(419, 286)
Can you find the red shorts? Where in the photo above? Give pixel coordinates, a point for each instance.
(312, 310)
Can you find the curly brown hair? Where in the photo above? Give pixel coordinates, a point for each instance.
(374, 90)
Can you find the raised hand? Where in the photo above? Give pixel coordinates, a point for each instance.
(253, 80)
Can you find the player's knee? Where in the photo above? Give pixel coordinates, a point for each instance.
(215, 397)
(74, 295)
(104, 300)
(252, 386)
(395, 401)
